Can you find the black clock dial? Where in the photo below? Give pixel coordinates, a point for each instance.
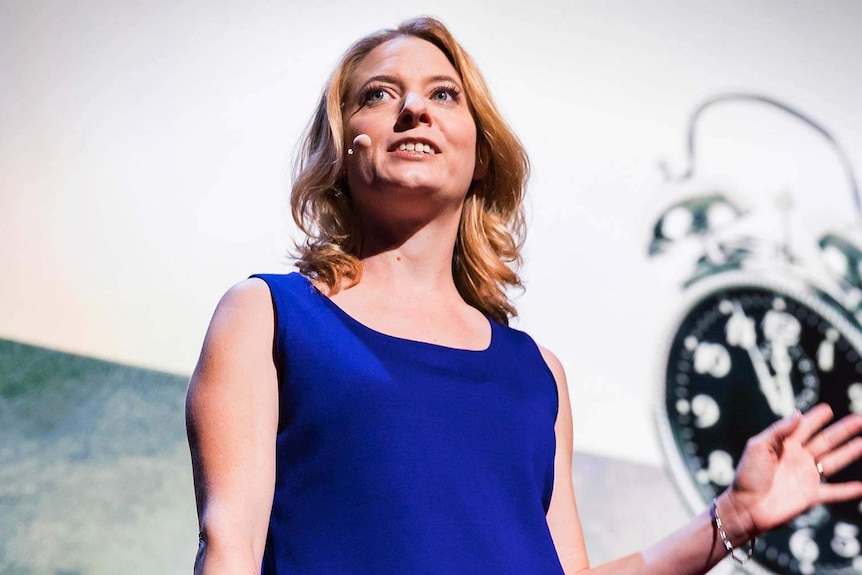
(743, 357)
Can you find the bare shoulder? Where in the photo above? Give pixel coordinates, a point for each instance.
(249, 296)
(553, 364)
(236, 367)
(240, 334)
(245, 310)
(559, 374)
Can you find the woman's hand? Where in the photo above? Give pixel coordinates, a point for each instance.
(778, 477)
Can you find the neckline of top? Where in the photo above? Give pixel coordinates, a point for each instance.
(334, 306)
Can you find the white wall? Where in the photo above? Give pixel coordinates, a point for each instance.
(145, 151)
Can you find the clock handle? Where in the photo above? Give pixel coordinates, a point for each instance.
(689, 172)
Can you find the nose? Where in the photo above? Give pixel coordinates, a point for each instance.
(413, 112)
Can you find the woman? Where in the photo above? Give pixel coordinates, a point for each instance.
(375, 414)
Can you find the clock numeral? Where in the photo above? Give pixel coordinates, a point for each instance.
(781, 328)
(854, 394)
(720, 468)
(740, 330)
(706, 411)
(803, 546)
(711, 358)
(704, 408)
(845, 542)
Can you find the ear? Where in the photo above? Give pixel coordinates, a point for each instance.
(483, 160)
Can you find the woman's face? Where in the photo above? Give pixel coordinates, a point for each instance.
(407, 96)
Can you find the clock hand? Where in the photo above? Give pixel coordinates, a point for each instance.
(741, 333)
(782, 364)
(785, 397)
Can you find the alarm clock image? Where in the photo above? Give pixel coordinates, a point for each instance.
(759, 334)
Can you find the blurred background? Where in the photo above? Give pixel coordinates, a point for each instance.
(145, 157)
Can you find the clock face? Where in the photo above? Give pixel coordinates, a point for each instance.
(744, 356)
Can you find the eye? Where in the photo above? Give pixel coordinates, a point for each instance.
(446, 94)
(373, 95)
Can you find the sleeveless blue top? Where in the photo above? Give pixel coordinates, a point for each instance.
(400, 457)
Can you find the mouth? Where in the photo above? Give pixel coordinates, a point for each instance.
(417, 146)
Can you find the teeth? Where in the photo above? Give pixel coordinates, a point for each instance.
(416, 147)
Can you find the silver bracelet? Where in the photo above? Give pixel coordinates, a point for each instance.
(716, 518)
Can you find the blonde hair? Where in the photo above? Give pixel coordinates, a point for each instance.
(491, 231)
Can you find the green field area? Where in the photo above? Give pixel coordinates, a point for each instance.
(94, 467)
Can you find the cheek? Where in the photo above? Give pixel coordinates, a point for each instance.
(470, 140)
(362, 122)
(470, 133)
(462, 135)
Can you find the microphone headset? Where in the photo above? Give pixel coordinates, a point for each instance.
(363, 140)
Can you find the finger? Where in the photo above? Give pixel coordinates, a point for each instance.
(835, 435)
(814, 419)
(836, 492)
(840, 458)
(779, 430)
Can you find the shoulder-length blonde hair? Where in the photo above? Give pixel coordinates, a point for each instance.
(491, 231)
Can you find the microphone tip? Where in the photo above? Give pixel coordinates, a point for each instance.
(363, 140)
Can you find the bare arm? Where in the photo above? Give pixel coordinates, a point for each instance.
(776, 480)
(231, 420)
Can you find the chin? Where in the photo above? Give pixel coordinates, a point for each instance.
(425, 182)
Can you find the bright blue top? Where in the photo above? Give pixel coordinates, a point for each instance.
(400, 457)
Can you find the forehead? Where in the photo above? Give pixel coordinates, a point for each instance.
(407, 58)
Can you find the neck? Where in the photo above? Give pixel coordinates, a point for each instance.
(414, 260)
